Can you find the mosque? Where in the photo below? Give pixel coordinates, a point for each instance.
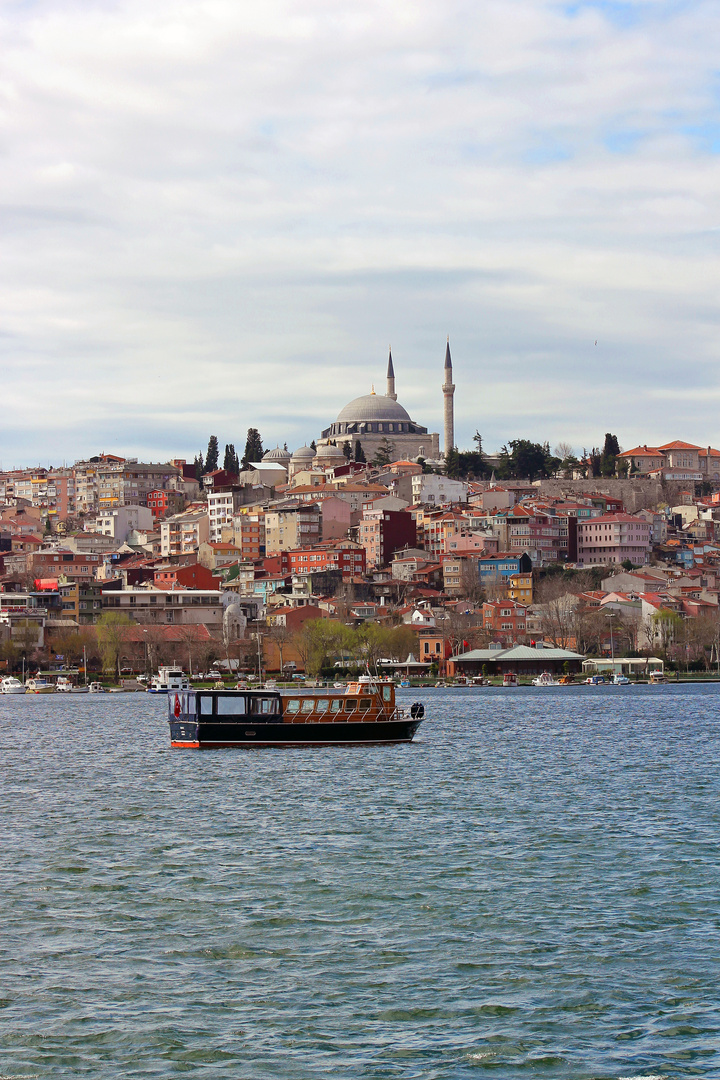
(374, 418)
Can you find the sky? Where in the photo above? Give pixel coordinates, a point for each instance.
(218, 215)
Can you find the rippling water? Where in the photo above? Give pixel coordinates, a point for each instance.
(530, 889)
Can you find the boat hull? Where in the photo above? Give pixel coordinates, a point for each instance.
(196, 735)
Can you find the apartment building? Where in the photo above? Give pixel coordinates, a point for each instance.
(81, 602)
(291, 524)
(131, 482)
(613, 538)
(158, 607)
(383, 532)
(344, 555)
(182, 534)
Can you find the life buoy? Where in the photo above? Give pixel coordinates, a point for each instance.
(417, 710)
(176, 710)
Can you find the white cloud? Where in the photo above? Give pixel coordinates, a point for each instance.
(217, 215)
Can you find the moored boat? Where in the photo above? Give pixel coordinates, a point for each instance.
(167, 680)
(510, 679)
(545, 679)
(365, 713)
(39, 686)
(11, 685)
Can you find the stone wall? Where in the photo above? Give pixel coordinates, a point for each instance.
(637, 493)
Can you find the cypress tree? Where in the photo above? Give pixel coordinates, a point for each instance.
(213, 453)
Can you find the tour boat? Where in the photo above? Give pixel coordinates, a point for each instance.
(11, 685)
(167, 680)
(545, 679)
(39, 686)
(365, 713)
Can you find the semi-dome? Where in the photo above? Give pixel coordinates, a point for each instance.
(303, 453)
(281, 456)
(372, 407)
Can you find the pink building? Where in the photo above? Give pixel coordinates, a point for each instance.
(613, 538)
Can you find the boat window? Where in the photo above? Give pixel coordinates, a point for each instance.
(350, 704)
(386, 693)
(308, 705)
(336, 705)
(263, 705)
(231, 706)
(293, 706)
(322, 705)
(365, 703)
(206, 704)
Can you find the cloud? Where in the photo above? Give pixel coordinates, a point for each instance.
(218, 215)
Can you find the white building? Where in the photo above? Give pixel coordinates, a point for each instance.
(437, 490)
(120, 522)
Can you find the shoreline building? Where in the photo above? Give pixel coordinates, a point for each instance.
(376, 420)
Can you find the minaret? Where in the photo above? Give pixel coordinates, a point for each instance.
(391, 379)
(448, 390)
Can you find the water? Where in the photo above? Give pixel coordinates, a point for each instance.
(530, 889)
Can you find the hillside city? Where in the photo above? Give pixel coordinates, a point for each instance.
(317, 560)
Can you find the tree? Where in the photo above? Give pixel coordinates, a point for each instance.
(199, 467)
(452, 463)
(471, 586)
(112, 634)
(211, 457)
(48, 527)
(384, 454)
(347, 449)
(608, 458)
(253, 448)
(666, 629)
(280, 635)
(231, 462)
(359, 453)
(318, 641)
(312, 445)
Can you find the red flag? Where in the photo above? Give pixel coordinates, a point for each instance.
(466, 644)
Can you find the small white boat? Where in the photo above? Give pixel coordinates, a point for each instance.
(657, 677)
(63, 685)
(168, 680)
(96, 688)
(620, 680)
(510, 679)
(39, 686)
(11, 685)
(545, 679)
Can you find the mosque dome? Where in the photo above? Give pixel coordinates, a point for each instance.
(328, 453)
(372, 407)
(303, 453)
(280, 456)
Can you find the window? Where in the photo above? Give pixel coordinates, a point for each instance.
(206, 706)
(308, 705)
(365, 703)
(293, 706)
(231, 706)
(322, 705)
(336, 705)
(350, 704)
